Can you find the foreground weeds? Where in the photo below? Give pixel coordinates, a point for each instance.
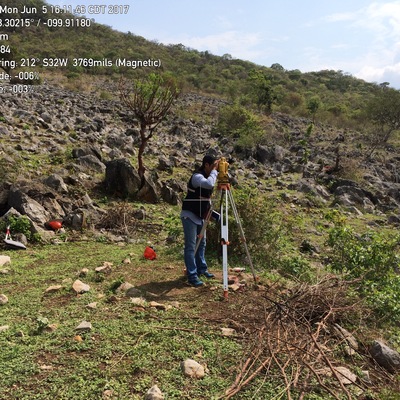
(282, 344)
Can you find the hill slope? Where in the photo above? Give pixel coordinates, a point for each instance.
(99, 46)
(318, 234)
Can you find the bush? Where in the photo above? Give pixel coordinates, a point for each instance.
(20, 224)
(372, 261)
(266, 232)
(296, 266)
(241, 125)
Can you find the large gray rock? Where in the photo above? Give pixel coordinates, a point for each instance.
(385, 356)
(266, 155)
(57, 183)
(28, 206)
(121, 178)
(169, 195)
(86, 151)
(309, 186)
(91, 162)
(149, 192)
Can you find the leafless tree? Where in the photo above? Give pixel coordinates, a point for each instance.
(149, 99)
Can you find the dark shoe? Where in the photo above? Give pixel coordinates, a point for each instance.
(196, 283)
(208, 274)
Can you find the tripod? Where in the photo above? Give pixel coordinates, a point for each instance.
(226, 200)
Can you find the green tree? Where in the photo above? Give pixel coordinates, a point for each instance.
(240, 124)
(313, 106)
(383, 111)
(262, 89)
(149, 99)
(277, 67)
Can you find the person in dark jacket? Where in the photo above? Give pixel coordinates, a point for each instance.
(195, 207)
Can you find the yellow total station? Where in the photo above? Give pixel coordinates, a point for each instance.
(223, 177)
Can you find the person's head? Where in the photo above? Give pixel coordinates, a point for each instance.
(207, 164)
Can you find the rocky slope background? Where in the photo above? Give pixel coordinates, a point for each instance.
(60, 149)
(71, 157)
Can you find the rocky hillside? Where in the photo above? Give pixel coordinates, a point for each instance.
(62, 149)
(70, 157)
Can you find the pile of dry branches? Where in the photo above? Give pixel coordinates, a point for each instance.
(120, 218)
(292, 341)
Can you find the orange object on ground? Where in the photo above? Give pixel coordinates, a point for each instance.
(55, 225)
(149, 253)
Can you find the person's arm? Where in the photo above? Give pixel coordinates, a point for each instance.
(198, 180)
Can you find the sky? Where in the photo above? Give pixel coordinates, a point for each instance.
(358, 37)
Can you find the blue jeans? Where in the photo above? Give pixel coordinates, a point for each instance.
(195, 263)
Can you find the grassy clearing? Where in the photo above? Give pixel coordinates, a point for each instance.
(128, 350)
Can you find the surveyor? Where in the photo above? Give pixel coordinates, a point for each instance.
(195, 207)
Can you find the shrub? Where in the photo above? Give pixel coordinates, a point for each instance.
(241, 125)
(372, 261)
(173, 225)
(266, 232)
(20, 224)
(296, 266)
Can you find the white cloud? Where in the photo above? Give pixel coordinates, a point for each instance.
(377, 28)
(238, 44)
(390, 73)
(340, 17)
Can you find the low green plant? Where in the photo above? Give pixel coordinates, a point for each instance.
(371, 260)
(116, 284)
(296, 266)
(42, 324)
(266, 232)
(306, 145)
(20, 224)
(173, 225)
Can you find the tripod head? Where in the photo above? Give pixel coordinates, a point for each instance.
(223, 178)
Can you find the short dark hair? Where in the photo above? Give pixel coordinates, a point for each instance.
(207, 159)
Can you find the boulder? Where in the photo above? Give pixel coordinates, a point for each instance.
(90, 162)
(385, 356)
(28, 206)
(57, 183)
(86, 151)
(169, 195)
(121, 178)
(268, 155)
(165, 164)
(149, 192)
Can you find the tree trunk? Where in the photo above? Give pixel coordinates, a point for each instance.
(141, 168)
(143, 143)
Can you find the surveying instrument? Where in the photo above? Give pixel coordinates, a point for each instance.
(224, 188)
